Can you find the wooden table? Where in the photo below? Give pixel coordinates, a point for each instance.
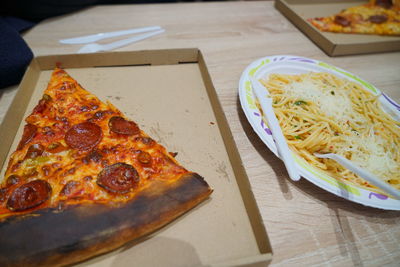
(306, 225)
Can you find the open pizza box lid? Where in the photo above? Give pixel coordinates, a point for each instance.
(169, 93)
(334, 44)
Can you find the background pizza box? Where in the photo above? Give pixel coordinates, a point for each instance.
(169, 93)
(334, 44)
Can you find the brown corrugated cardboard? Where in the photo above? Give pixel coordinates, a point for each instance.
(170, 95)
(334, 44)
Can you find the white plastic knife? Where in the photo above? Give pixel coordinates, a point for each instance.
(95, 47)
(99, 36)
(280, 141)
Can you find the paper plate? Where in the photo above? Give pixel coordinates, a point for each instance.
(286, 64)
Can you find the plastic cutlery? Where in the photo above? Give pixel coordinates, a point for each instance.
(280, 141)
(94, 47)
(362, 173)
(99, 36)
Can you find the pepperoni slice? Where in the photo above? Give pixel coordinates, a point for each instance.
(83, 136)
(384, 3)
(118, 178)
(342, 21)
(145, 140)
(40, 107)
(94, 156)
(121, 126)
(34, 151)
(378, 19)
(99, 115)
(12, 180)
(29, 132)
(70, 188)
(144, 158)
(3, 192)
(29, 195)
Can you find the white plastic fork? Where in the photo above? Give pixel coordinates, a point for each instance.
(94, 47)
(280, 141)
(104, 35)
(362, 173)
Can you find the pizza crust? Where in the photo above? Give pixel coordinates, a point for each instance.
(53, 237)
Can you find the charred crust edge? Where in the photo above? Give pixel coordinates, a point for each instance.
(53, 237)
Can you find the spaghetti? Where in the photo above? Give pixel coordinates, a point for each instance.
(319, 112)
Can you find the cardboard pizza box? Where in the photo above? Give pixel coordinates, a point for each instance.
(169, 93)
(334, 44)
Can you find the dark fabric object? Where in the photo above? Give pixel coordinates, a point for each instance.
(37, 10)
(19, 25)
(15, 54)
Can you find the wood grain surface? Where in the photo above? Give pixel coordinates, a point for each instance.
(306, 225)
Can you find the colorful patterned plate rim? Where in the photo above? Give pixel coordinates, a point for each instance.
(288, 64)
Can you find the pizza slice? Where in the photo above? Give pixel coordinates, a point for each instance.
(380, 17)
(85, 180)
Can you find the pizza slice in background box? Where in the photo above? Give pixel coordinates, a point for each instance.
(379, 17)
(85, 180)
(341, 27)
